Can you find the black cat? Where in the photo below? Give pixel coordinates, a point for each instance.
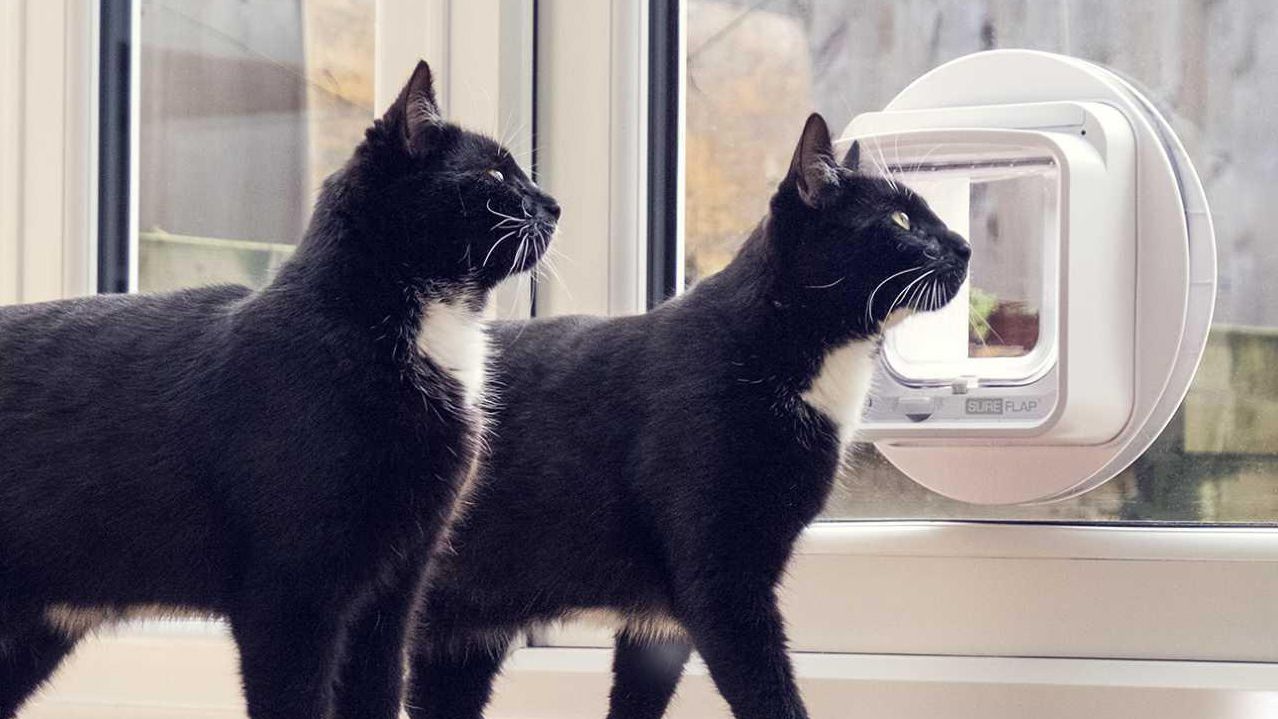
(285, 457)
(661, 467)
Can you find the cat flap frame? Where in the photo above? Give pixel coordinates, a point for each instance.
(1002, 190)
(1124, 261)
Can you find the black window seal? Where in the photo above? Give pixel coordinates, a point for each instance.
(664, 134)
(114, 139)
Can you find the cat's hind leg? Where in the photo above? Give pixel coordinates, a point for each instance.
(737, 629)
(31, 648)
(645, 675)
(372, 679)
(290, 652)
(453, 678)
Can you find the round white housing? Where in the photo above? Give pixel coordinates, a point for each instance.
(1090, 290)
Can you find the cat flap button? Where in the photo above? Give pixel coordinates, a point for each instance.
(917, 409)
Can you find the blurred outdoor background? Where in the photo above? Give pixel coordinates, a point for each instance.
(246, 106)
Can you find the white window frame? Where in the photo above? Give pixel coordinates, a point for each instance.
(48, 149)
(592, 117)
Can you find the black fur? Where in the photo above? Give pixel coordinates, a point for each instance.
(665, 464)
(284, 458)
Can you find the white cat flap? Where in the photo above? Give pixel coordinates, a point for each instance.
(1090, 289)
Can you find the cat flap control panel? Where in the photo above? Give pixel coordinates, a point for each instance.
(1090, 287)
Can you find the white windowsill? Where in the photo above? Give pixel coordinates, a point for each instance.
(1042, 541)
(187, 674)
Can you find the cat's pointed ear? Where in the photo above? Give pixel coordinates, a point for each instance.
(852, 160)
(813, 165)
(415, 112)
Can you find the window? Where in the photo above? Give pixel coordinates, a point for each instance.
(244, 109)
(754, 69)
(1005, 205)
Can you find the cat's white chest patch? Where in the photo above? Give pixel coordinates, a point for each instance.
(453, 337)
(841, 385)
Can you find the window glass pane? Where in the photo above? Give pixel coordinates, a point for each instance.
(245, 107)
(755, 69)
(1007, 284)
(1003, 199)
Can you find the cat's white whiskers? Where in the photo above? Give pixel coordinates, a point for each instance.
(550, 258)
(489, 205)
(558, 253)
(894, 170)
(907, 301)
(523, 156)
(512, 130)
(887, 170)
(915, 296)
(884, 168)
(522, 289)
(879, 169)
(547, 262)
(869, 303)
(919, 165)
(493, 249)
(897, 302)
(826, 286)
(519, 250)
(550, 270)
(523, 246)
(989, 329)
(896, 150)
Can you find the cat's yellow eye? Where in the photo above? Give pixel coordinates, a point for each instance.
(901, 219)
(496, 175)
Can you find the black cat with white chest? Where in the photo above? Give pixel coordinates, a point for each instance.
(285, 458)
(659, 468)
